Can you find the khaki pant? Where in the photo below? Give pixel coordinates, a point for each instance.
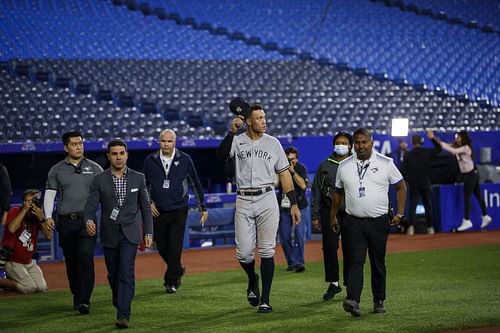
(28, 278)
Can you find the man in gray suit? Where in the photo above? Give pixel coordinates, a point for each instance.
(122, 194)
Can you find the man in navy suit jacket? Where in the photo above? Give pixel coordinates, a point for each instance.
(122, 194)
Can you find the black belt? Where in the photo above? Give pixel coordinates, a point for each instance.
(72, 216)
(369, 219)
(255, 192)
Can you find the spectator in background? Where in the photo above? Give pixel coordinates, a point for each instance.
(364, 180)
(71, 179)
(5, 193)
(122, 194)
(292, 237)
(416, 170)
(168, 172)
(20, 243)
(322, 190)
(462, 149)
(399, 154)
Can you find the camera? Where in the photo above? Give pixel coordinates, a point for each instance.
(36, 201)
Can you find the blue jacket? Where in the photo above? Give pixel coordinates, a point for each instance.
(181, 173)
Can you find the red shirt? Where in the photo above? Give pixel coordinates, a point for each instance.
(21, 254)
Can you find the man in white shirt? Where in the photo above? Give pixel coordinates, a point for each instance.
(365, 178)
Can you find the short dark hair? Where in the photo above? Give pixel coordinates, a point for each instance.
(416, 140)
(254, 107)
(344, 134)
(292, 150)
(117, 142)
(33, 192)
(363, 131)
(68, 135)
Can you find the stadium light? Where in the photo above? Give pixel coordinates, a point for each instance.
(399, 127)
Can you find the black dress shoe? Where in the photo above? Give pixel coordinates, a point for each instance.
(331, 292)
(178, 283)
(378, 307)
(121, 323)
(170, 289)
(83, 308)
(299, 269)
(352, 307)
(290, 269)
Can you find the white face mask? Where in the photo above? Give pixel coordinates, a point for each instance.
(341, 150)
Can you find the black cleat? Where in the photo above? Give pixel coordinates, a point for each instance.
(253, 293)
(331, 292)
(265, 308)
(352, 307)
(378, 307)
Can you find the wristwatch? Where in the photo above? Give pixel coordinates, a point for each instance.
(400, 216)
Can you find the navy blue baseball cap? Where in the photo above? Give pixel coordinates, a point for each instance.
(240, 107)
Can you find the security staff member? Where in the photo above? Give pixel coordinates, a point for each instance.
(322, 191)
(168, 172)
(365, 178)
(71, 179)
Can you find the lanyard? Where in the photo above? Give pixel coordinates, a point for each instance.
(333, 161)
(362, 170)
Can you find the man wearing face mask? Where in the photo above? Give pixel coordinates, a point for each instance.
(321, 203)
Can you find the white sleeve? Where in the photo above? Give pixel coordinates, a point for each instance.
(48, 202)
(394, 174)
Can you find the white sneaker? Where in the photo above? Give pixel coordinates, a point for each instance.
(410, 231)
(466, 225)
(430, 231)
(486, 221)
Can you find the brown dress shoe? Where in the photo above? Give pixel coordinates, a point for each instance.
(122, 323)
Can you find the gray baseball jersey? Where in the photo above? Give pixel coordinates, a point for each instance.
(257, 161)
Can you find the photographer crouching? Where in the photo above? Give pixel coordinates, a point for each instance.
(19, 245)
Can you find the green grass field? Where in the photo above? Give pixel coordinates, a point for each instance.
(426, 292)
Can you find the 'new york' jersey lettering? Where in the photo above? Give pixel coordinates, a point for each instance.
(257, 161)
(262, 154)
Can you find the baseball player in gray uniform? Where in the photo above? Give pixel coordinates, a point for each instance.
(258, 157)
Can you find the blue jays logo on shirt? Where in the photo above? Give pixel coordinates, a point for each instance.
(374, 170)
(258, 153)
(87, 169)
